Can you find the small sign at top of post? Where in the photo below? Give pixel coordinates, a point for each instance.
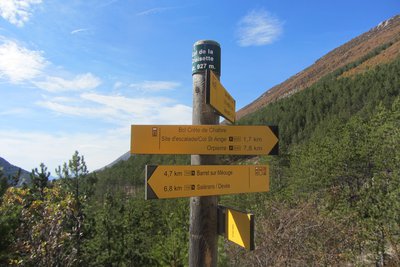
(206, 55)
(219, 98)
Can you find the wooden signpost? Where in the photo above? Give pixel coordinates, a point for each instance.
(204, 179)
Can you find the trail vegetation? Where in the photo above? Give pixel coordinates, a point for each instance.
(334, 198)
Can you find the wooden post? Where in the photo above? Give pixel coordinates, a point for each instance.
(203, 245)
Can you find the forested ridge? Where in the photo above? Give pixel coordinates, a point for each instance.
(334, 198)
(335, 195)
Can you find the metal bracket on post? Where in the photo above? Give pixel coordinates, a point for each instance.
(221, 225)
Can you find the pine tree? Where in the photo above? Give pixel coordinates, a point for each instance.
(71, 176)
(39, 180)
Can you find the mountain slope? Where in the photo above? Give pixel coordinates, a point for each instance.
(124, 157)
(10, 170)
(379, 45)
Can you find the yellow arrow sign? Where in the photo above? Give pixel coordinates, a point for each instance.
(238, 226)
(204, 139)
(219, 98)
(204, 180)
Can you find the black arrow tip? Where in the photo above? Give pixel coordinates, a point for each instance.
(149, 192)
(275, 149)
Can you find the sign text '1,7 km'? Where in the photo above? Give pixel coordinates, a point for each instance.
(204, 139)
(169, 181)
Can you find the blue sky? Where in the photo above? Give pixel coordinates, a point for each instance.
(74, 75)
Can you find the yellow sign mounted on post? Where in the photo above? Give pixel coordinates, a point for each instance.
(236, 226)
(219, 98)
(204, 139)
(204, 180)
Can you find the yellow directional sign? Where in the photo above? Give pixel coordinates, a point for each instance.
(238, 226)
(204, 139)
(219, 98)
(204, 180)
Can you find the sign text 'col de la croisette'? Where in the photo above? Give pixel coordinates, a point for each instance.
(206, 55)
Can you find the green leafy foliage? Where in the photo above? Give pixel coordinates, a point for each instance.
(340, 141)
(39, 227)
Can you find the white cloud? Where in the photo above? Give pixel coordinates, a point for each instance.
(117, 85)
(15, 112)
(124, 103)
(122, 110)
(176, 114)
(81, 82)
(53, 150)
(154, 11)
(79, 30)
(104, 4)
(18, 64)
(61, 99)
(149, 110)
(155, 86)
(258, 28)
(77, 110)
(17, 12)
